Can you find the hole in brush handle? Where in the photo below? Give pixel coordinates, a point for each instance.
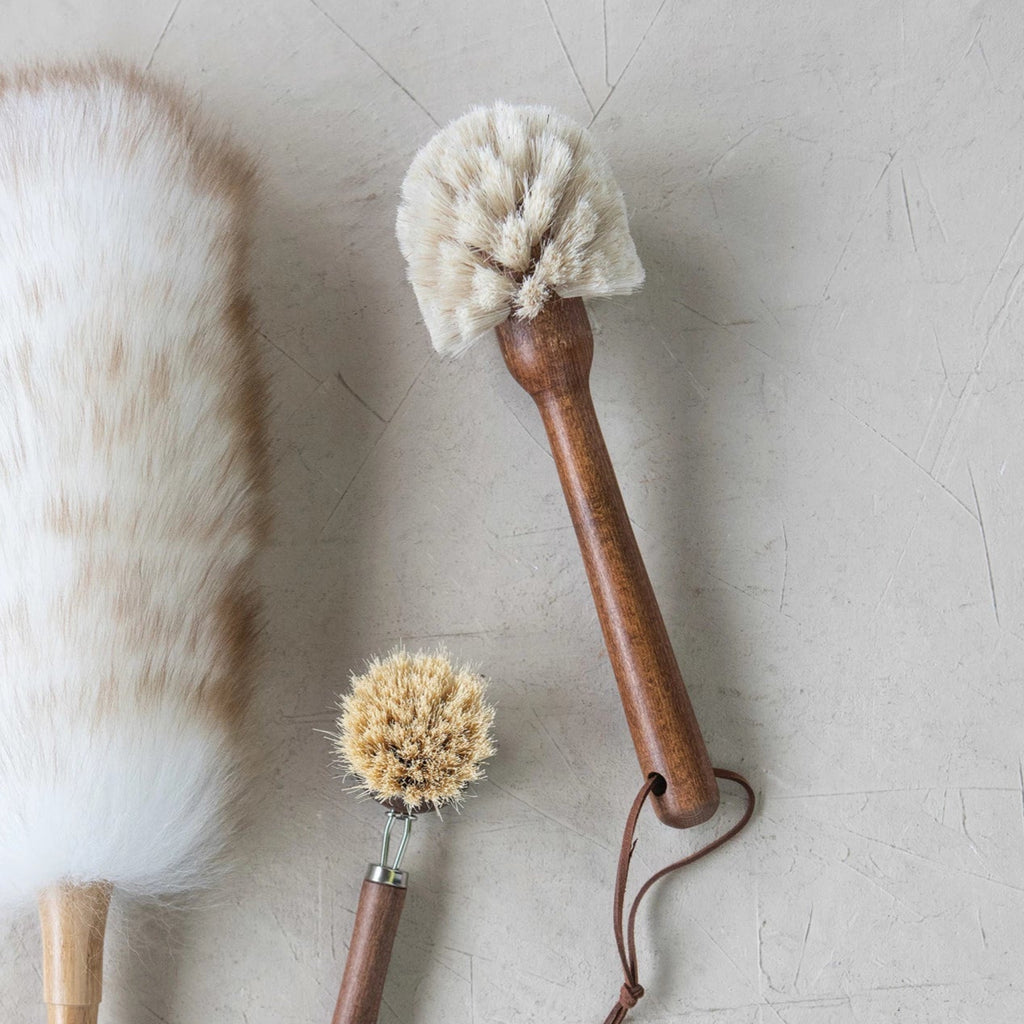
(658, 784)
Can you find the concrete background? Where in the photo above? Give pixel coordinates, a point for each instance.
(815, 410)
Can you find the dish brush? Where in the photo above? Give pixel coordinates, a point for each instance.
(509, 218)
(415, 732)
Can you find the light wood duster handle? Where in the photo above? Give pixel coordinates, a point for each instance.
(74, 920)
(550, 357)
(369, 953)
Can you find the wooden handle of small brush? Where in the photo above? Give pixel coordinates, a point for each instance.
(369, 953)
(550, 357)
(73, 919)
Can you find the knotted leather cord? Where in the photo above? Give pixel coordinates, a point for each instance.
(625, 938)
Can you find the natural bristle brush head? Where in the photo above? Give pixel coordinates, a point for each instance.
(504, 209)
(414, 730)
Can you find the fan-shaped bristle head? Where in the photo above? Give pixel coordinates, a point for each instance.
(414, 730)
(504, 209)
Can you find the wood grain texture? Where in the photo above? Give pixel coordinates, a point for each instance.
(74, 920)
(369, 953)
(551, 357)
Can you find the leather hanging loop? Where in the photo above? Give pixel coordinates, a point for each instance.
(625, 931)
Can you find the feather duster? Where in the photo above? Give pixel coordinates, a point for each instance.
(132, 465)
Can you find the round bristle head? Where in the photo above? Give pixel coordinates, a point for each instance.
(414, 730)
(503, 209)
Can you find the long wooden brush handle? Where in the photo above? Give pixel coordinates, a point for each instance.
(550, 357)
(73, 919)
(369, 953)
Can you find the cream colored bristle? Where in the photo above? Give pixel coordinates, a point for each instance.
(503, 209)
(414, 730)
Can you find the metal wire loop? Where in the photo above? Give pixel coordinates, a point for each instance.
(406, 820)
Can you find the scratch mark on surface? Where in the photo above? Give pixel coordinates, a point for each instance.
(390, 1009)
(718, 946)
(668, 350)
(1020, 770)
(860, 217)
(604, 21)
(758, 923)
(636, 49)
(906, 206)
(903, 39)
(988, 69)
(568, 57)
(785, 566)
(544, 729)
(696, 312)
(803, 949)
(532, 533)
(963, 825)
(446, 636)
(629, 62)
(886, 792)
(348, 487)
(319, 905)
(999, 264)
(896, 567)
(1001, 313)
(366, 53)
(932, 417)
(881, 888)
(721, 156)
(981, 928)
(156, 46)
(944, 451)
(289, 357)
(945, 371)
(543, 448)
(408, 390)
(287, 936)
(380, 437)
(702, 390)
(931, 203)
(154, 1014)
(739, 590)
(974, 39)
(907, 455)
(984, 541)
(934, 863)
(373, 412)
(551, 817)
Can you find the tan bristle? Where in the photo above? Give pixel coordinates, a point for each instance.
(503, 209)
(415, 730)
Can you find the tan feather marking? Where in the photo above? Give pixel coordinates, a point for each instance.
(115, 367)
(159, 380)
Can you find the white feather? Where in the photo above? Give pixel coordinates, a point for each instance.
(503, 209)
(130, 463)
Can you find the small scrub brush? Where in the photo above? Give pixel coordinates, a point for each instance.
(509, 218)
(414, 731)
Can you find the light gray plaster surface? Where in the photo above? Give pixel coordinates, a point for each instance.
(815, 410)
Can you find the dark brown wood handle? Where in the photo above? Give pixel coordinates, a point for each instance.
(550, 357)
(369, 953)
